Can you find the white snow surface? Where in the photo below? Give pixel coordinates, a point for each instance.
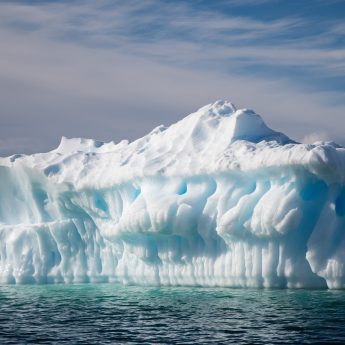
(217, 199)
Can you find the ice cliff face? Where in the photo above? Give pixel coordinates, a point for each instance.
(215, 199)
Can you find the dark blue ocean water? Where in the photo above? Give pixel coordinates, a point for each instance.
(107, 313)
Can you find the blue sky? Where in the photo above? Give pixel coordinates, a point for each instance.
(115, 69)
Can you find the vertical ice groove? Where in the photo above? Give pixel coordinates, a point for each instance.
(244, 234)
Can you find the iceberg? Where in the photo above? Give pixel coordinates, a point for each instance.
(216, 199)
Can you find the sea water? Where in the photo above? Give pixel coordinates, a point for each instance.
(109, 313)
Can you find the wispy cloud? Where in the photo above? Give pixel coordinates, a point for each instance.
(180, 33)
(311, 138)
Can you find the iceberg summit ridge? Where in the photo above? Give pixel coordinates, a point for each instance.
(216, 199)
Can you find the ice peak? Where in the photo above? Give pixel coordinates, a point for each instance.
(226, 121)
(222, 108)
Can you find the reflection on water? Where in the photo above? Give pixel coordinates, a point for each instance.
(107, 313)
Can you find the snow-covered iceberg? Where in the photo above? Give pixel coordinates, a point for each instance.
(217, 199)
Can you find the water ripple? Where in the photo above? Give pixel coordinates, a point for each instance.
(107, 313)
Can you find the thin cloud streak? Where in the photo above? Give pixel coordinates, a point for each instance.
(179, 34)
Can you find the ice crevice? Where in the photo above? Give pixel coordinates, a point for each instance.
(218, 199)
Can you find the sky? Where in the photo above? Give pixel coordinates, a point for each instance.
(114, 70)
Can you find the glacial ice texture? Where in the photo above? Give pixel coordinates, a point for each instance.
(217, 199)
